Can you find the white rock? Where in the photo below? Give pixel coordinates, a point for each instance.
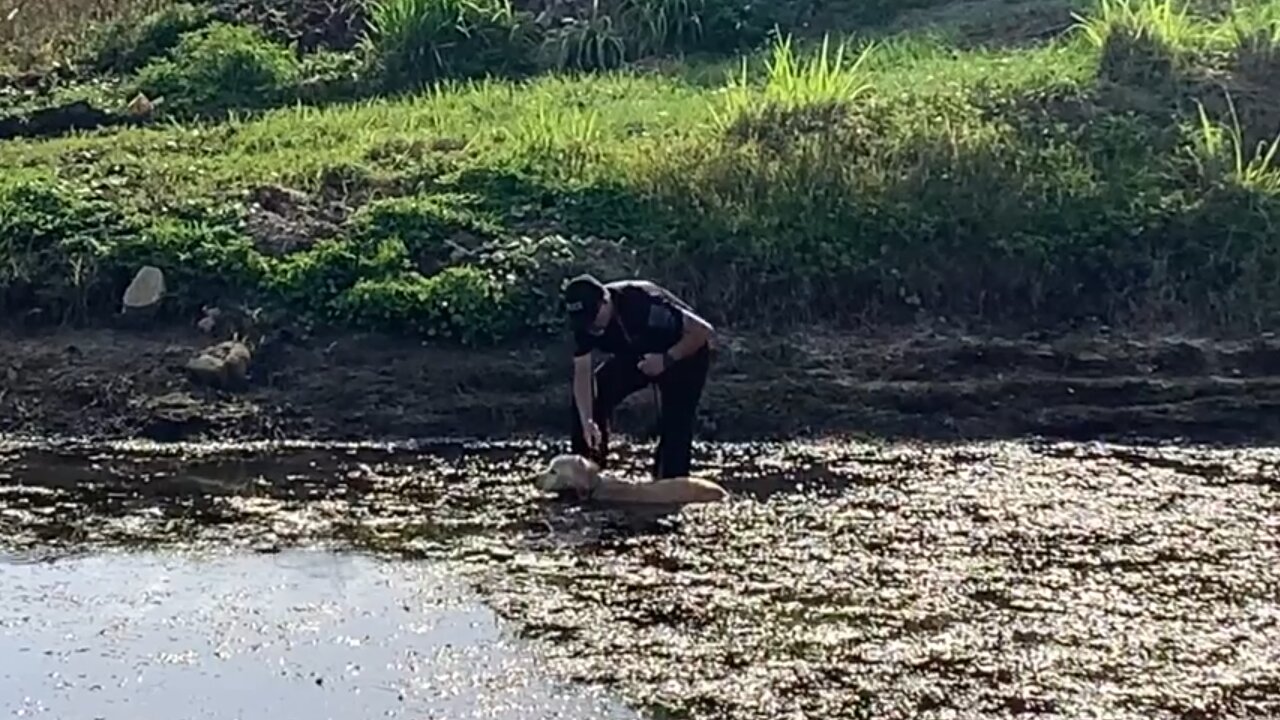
(146, 290)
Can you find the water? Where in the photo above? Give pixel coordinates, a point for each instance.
(298, 634)
(843, 579)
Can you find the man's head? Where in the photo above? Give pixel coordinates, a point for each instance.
(569, 472)
(586, 301)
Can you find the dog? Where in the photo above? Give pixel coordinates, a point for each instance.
(580, 475)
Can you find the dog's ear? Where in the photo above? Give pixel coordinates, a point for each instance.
(547, 481)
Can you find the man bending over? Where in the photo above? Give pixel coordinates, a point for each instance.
(652, 337)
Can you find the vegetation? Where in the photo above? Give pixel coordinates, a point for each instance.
(444, 173)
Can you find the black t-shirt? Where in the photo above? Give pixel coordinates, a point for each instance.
(647, 319)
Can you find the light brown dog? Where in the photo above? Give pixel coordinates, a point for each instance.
(580, 475)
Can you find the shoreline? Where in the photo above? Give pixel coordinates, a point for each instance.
(112, 384)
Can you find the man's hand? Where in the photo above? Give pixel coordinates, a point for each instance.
(652, 365)
(591, 433)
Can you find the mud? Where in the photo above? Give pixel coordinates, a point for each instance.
(843, 580)
(76, 116)
(130, 383)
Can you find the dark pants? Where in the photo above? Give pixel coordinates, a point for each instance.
(680, 389)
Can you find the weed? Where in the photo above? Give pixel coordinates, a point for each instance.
(461, 303)
(791, 83)
(35, 34)
(418, 42)
(1220, 154)
(124, 46)
(595, 41)
(1166, 22)
(221, 68)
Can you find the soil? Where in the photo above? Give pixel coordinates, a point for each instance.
(123, 383)
(78, 116)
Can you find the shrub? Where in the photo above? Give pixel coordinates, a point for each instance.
(725, 25)
(311, 282)
(897, 204)
(417, 42)
(824, 79)
(312, 25)
(979, 186)
(219, 68)
(655, 27)
(329, 76)
(533, 271)
(1222, 156)
(596, 40)
(123, 47)
(53, 242)
(608, 33)
(38, 35)
(1167, 22)
(462, 303)
(433, 228)
(204, 262)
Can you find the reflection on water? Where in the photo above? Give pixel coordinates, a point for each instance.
(234, 635)
(843, 579)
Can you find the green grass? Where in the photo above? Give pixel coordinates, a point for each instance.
(861, 181)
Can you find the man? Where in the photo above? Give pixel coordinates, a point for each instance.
(653, 338)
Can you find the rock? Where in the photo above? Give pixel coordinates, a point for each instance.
(209, 322)
(232, 322)
(145, 292)
(140, 107)
(225, 365)
(277, 199)
(1181, 358)
(174, 417)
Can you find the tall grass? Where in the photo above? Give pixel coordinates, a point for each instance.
(1175, 25)
(823, 77)
(1168, 22)
(415, 42)
(594, 40)
(662, 25)
(35, 33)
(605, 34)
(1255, 30)
(792, 81)
(1221, 153)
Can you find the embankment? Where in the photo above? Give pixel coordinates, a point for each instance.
(126, 383)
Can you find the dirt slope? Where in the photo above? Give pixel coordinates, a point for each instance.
(117, 383)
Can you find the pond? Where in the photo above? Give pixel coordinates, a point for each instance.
(843, 579)
(302, 634)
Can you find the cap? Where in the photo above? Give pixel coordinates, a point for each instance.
(582, 298)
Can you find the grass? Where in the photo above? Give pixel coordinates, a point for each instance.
(843, 181)
(1174, 24)
(36, 33)
(503, 123)
(1166, 21)
(1220, 150)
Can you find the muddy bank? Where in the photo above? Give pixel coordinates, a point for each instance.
(131, 383)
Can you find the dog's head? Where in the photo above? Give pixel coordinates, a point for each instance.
(568, 473)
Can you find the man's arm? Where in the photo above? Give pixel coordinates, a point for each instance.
(583, 392)
(694, 334)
